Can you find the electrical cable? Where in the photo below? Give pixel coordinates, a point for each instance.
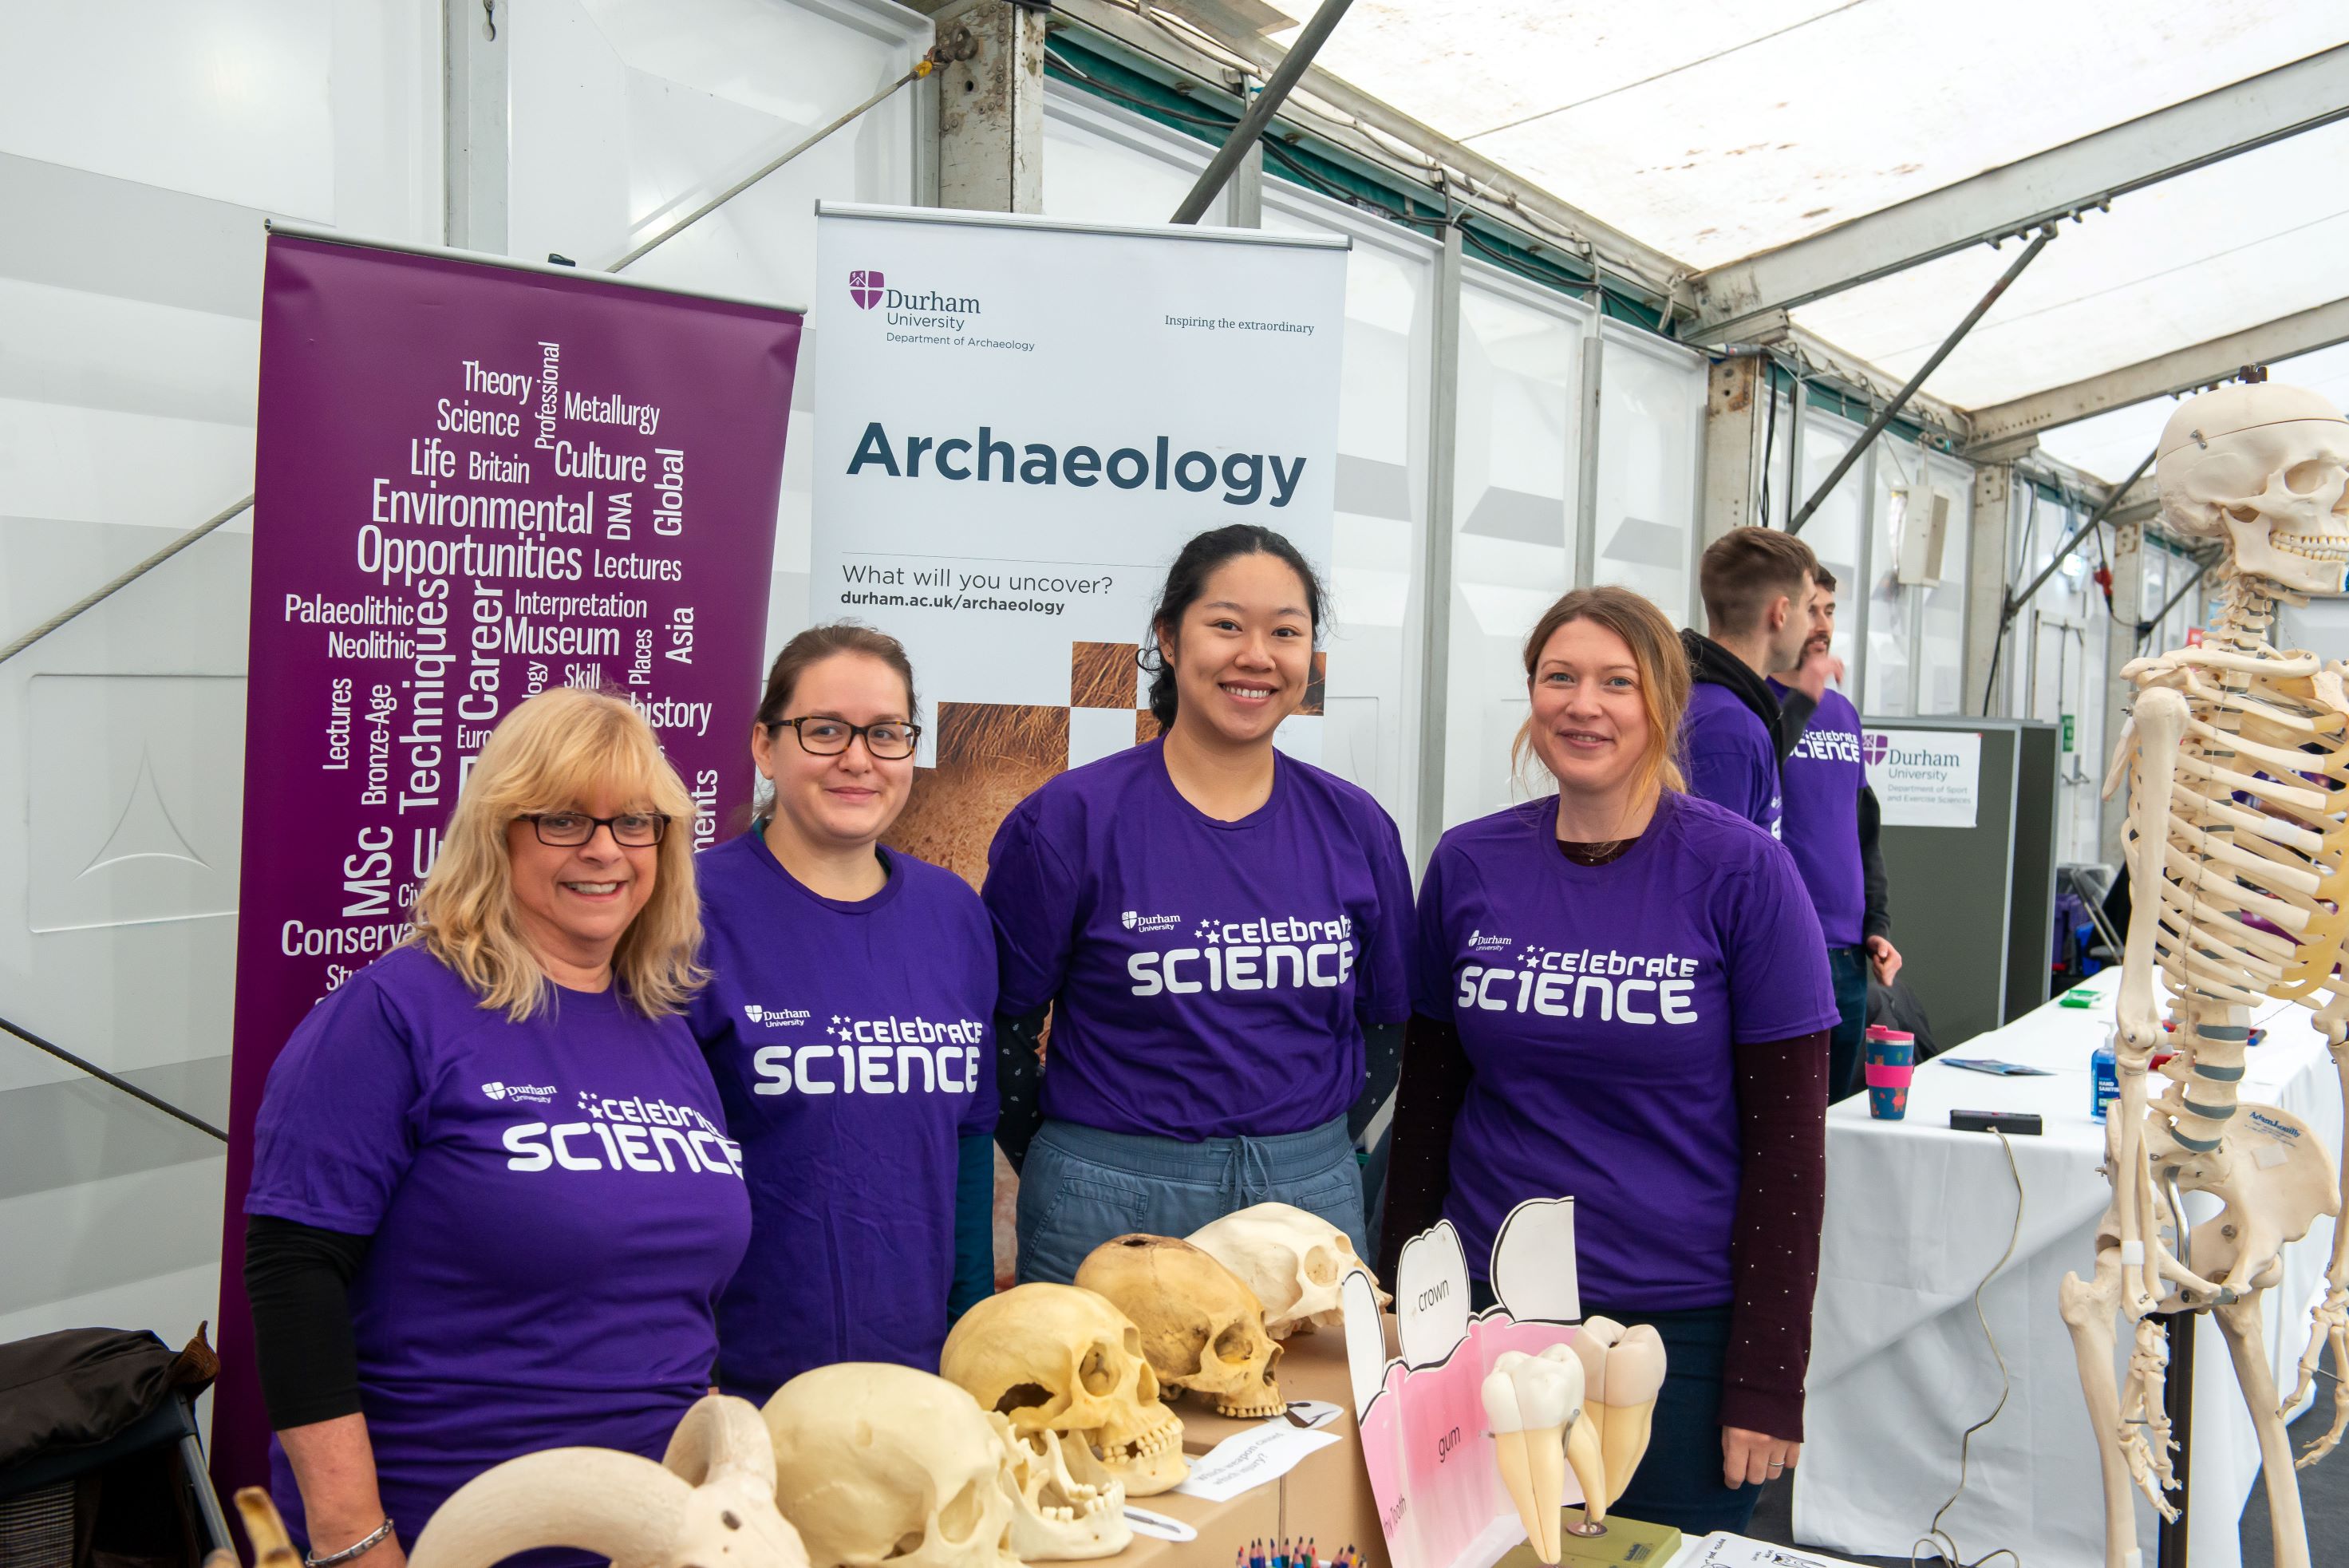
(1940, 1541)
(1769, 434)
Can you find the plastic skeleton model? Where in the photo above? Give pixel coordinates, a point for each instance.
(2237, 845)
(710, 1503)
(1202, 1330)
(1586, 1405)
(1293, 1260)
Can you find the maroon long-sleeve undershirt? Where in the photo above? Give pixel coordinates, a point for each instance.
(1782, 1103)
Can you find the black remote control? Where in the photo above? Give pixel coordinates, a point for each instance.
(2013, 1123)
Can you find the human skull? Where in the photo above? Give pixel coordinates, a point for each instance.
(2266, 468)
(1201, 1328)
(1055, 1358)
(1293, 1260)
(880, 1464)
(1064, 1505)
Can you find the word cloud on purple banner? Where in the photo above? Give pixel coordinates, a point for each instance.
(473, 482)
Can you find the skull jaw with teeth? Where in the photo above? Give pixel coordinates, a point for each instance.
(1201, 1329)
(1055, 1358)
(2265, 467)
(1065, 1505)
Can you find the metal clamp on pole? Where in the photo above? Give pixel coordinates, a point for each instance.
(1901, 399)
(1259, 115)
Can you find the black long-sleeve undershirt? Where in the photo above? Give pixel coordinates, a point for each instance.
(298, 1278)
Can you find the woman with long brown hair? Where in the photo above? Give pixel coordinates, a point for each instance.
(493, 1198)
(1619, 995)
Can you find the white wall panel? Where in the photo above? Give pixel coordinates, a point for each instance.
(1512, 519)
(1651, 449)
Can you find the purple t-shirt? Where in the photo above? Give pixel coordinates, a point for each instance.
(854, 1044)
(1598, 1005)
(1824, 778)
(554, 1205)
(1731, 759)
(1209, 979)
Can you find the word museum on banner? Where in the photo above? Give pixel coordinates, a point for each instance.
(473, 482)
(1022, 421)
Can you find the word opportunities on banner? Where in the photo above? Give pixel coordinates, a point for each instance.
(1022, 424)
(473, 482)
(1924, 778)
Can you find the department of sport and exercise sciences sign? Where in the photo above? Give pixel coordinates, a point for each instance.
(1924, 778)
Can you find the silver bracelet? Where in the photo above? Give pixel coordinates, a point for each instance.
(368, 1543)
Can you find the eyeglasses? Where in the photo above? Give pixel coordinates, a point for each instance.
(888, 741)
(569, 829)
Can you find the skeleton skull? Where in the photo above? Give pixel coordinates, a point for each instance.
(1293, 1260)
(1055, 1358)
(1064, 1505)
(2265, 467)
(880, 1464)
(1201, 1328)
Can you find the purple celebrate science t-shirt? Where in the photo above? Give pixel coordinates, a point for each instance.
(1209, 979)
(1732, 760)
(554, 1207)
(1597, 1006)
(854, 1044)
(1823, 777)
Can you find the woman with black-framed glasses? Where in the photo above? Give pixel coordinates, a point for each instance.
(849, 1023)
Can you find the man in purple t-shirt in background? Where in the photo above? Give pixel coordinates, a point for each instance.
(1831, 821)
(1757, 585)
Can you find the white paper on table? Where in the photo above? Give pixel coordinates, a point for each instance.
(1722, 1550)
(1243, 1462)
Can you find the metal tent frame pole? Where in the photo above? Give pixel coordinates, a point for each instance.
(1901, 399)
(1268, 103)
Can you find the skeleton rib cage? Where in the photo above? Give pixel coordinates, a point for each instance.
(2237, 756)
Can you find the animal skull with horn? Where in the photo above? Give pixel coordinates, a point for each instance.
(710, 1503)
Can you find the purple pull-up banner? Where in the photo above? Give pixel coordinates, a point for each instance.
(472, 483)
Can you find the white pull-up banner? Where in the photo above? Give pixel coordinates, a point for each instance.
(1018, 423)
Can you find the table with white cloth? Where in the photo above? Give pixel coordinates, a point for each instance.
(1917, 1214)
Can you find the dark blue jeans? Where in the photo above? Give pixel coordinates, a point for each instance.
(1850, 968)
(1678, 1481)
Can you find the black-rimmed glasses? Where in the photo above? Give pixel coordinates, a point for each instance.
(569, 829)
(888, 741)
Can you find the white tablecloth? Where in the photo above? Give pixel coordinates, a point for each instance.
(1917, 1214)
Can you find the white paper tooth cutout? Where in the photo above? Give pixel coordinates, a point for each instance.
(1533, 1262)
(1431, 1295)
(1530, 1400)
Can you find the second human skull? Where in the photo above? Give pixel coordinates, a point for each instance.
(1293, 1260)
(1058, 1359)
(880, 1464)
(1201, 1328)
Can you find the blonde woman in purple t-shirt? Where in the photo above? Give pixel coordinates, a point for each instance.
(1619, 995)
(494, 1201)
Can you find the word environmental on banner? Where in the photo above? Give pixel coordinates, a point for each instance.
(474, 482)
(1022, 423)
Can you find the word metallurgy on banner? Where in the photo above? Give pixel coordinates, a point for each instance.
(473, 482)
(1009, 516)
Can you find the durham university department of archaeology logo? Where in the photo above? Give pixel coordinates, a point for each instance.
(865, 287)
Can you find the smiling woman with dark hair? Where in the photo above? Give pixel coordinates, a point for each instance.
(1212, 923)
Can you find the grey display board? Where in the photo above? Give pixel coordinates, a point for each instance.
(1973, 907)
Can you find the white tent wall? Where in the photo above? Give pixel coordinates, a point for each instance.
(1512, 515)
(130, 287)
